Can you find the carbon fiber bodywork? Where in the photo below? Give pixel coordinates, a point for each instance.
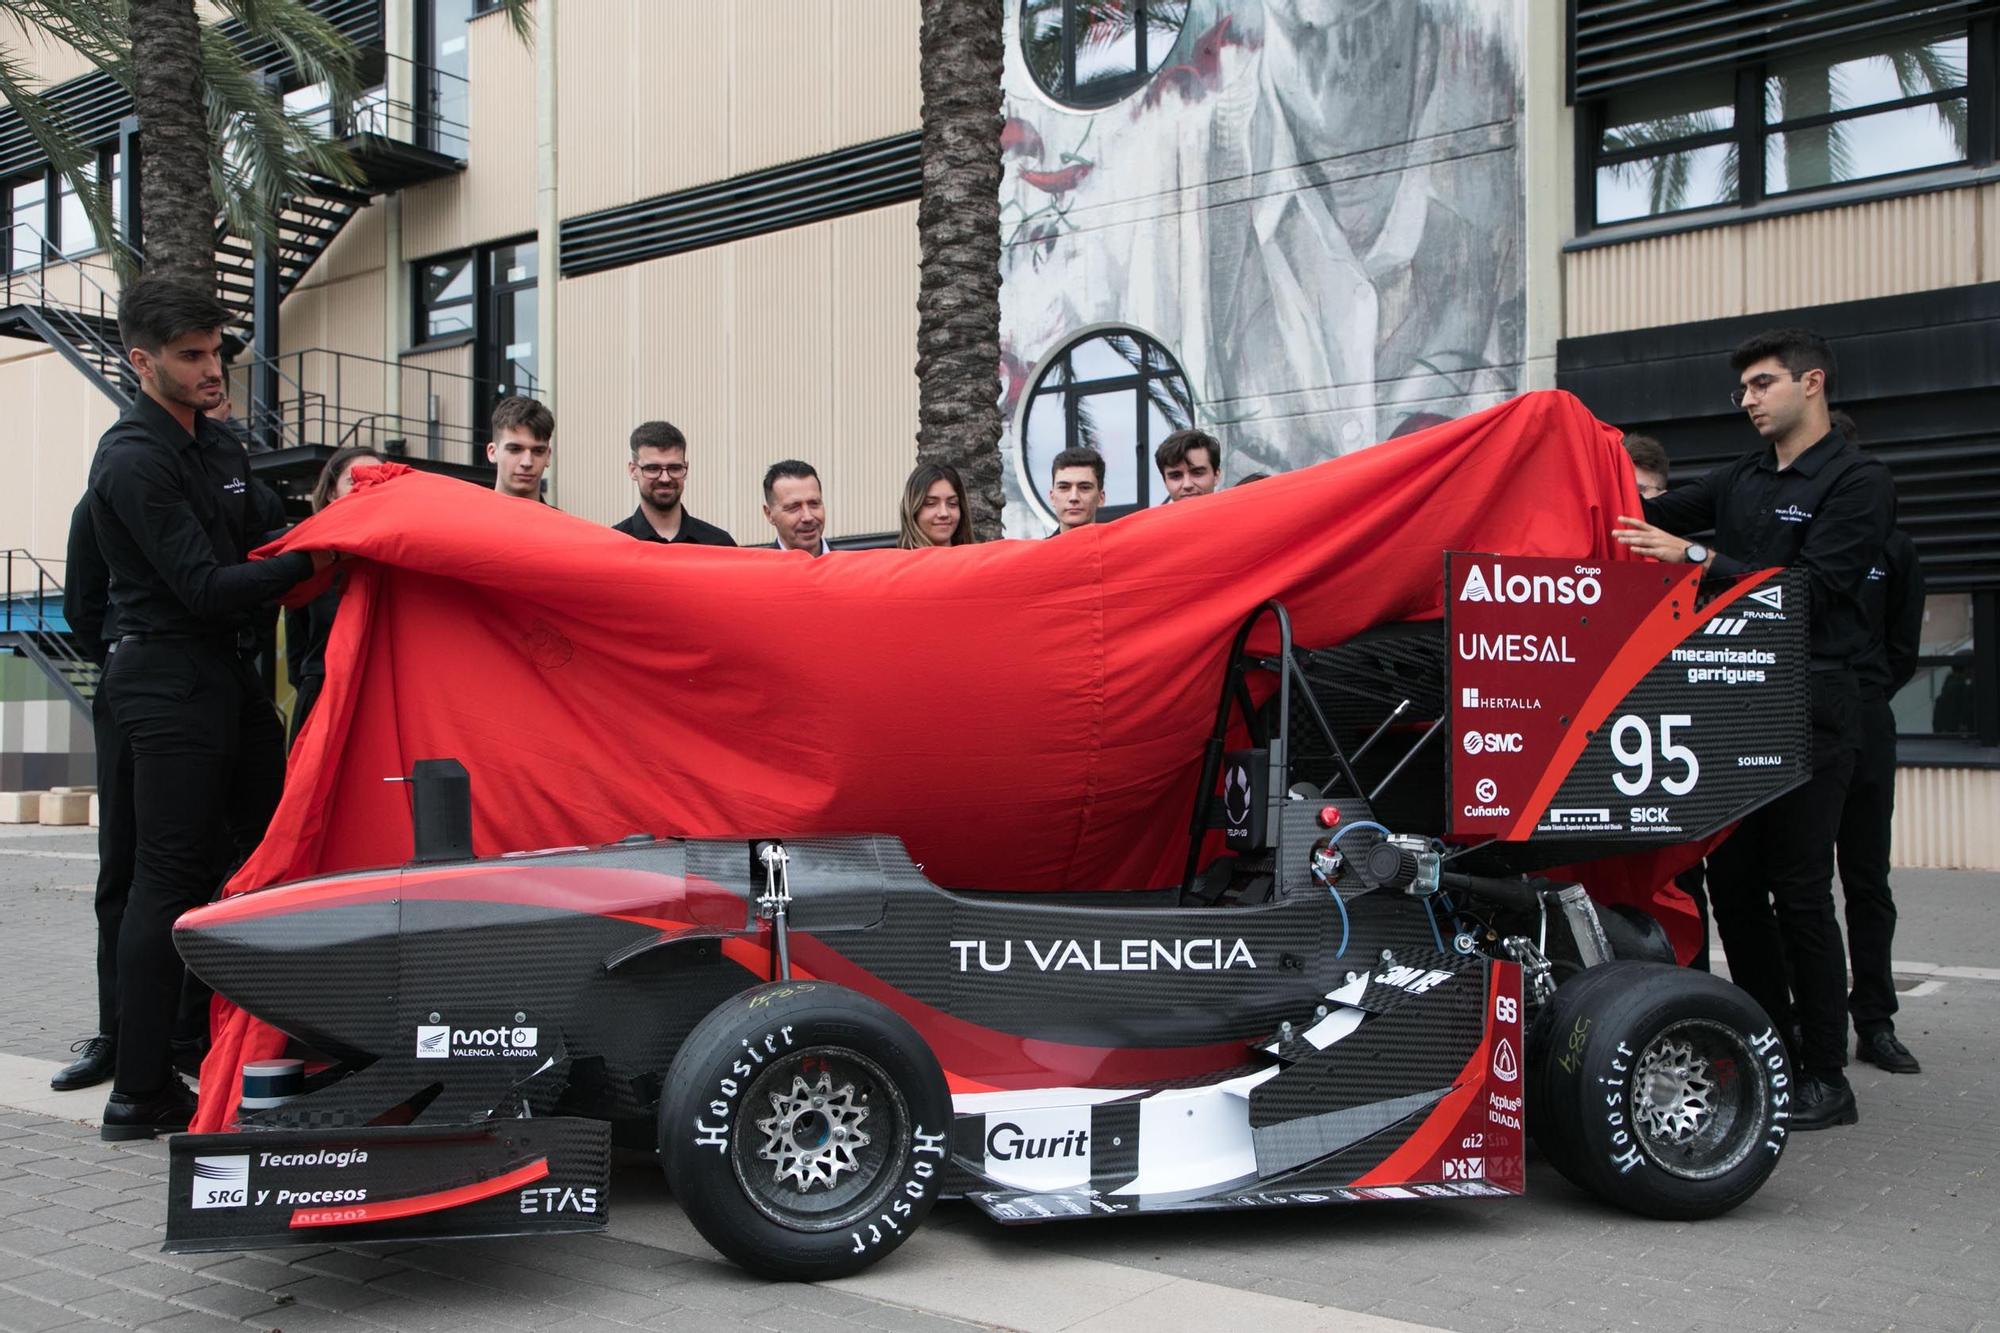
(468, 994)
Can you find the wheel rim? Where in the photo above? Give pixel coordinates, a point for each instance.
(1697, 1099)
(821, 1136)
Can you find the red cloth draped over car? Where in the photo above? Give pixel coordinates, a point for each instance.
(1026, 715)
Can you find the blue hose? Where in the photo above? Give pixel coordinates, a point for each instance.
(1340, 902)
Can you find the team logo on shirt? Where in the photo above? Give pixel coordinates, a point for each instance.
(1792, 514)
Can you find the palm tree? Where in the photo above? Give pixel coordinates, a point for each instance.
(219, 141)
(958, 238)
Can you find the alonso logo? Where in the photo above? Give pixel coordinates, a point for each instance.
(1580, 586)
(1491, 742)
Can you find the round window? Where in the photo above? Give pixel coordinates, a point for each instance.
(1090, 53)
(1114, 390)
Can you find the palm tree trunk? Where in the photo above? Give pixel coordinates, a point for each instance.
(958, 236)
(176, 200)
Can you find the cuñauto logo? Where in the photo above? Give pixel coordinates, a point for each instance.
(1486, 789)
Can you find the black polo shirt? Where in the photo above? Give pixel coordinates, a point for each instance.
(693, 531)
(1829, 513)
(175, 519)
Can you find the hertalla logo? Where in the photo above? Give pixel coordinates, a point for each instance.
(1495, 584)
(1202, 955)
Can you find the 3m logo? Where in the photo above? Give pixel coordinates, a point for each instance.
(222, 1182)
(1773, 597)
(433, 1041)
(1415, 980)
(1506, 1065)
(1465, 1168)
(1724, 625)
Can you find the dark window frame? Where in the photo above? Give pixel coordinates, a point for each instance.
(49, 224)
(1072, 391)
(486, 354)
(1752, 133)
(1108, 92)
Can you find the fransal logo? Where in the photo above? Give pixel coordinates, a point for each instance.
(1506, 1065)
(1465, 1168)
(222, 1182)
(1725, 625)
(1773, 596)
(1492, 742)
(1580, 586)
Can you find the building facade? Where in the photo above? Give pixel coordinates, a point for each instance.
(1305, 225)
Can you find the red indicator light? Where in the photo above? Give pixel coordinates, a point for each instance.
(1329, 815)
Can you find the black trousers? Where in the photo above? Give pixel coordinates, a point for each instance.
(1771, 885)
(114, 853)
(208, 751)
(1864, 869)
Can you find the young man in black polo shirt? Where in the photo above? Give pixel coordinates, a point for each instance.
(1809, 498)
(659, 469)
(171, 502)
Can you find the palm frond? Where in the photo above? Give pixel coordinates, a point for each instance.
(1928, 69)
(319, 51)
(267, 152)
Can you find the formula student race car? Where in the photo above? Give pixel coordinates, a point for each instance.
(1362, 989)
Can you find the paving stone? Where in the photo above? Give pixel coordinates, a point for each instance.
(132, 1309)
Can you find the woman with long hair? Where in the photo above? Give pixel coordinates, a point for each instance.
(308, 627)
(934, 509)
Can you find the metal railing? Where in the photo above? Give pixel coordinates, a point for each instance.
(331, 398)
(425, 121)
(79, 324)
(27, 627)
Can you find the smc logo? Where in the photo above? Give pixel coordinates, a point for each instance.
(1492, 742)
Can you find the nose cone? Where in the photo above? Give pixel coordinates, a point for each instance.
(315, 959)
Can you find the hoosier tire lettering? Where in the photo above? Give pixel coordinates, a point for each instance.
(723, 1106)
(1661, 1090)
(803, 1128)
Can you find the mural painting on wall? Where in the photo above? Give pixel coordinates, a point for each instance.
(1312, 209)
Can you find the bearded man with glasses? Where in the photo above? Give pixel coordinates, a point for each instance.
(659, 469)
(1809, 498)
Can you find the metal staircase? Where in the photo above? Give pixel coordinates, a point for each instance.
(62, 304)
(307, 225)
(27, 628)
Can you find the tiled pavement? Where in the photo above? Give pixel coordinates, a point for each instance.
(1888, 1225)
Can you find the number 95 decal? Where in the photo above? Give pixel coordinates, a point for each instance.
(1632, 746)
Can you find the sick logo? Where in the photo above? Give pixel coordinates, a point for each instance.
(1506, 1066)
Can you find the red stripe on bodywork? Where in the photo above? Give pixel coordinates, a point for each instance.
(418, 1204)
(1658, 634)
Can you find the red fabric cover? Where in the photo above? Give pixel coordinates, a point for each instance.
(1025, 715)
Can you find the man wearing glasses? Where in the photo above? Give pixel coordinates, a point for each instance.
(1809, 499)
(659, 469)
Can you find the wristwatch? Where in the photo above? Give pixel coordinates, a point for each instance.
(1697, 554)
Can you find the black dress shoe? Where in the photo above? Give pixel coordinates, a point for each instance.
(1882, 1050)
(99, 1056)
(1819, 1104)
(167, 1111)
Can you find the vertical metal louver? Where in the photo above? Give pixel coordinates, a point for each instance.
(1621, 43)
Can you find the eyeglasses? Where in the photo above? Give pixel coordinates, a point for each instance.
(652, 471)
(1756, 388)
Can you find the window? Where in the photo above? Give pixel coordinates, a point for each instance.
(1940, 698)
(27, 222)
(444, 297)
(73, 229)
(1116, 391)
(1829, 115)
(1090, 53)
(508, 340)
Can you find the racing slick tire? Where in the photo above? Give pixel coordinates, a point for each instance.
(805, 1130)
(1661, 1090)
